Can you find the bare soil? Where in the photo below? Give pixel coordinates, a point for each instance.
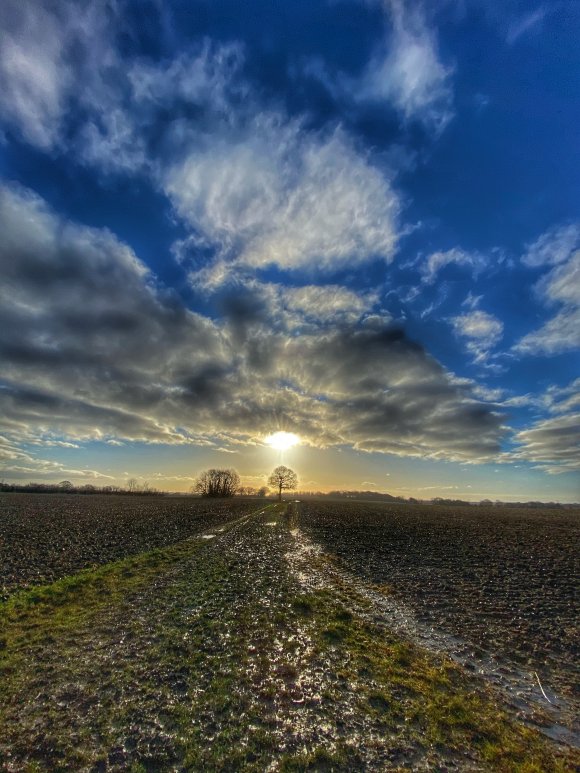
(504, 580)
(44, 537)
(239, 648)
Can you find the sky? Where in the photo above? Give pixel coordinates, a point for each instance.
(353, 220)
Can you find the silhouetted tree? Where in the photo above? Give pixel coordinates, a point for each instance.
(283, 479)
(247, 491)
(217, 483)
(264, 491)
(132, 485)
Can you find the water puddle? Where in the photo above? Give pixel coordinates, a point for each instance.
(208, 536)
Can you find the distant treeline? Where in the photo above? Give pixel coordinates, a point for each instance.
(134, 488)
(376, 496)
(66, 487)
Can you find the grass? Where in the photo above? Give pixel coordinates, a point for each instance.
(208, 656)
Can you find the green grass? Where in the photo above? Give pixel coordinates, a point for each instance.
(432, 699)
(205, 662)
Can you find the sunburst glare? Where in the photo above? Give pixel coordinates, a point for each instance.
(282, 440)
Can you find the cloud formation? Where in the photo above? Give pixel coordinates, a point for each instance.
(552, 444)
(404, 72)
(254, 186)
(33, 70)
(436, 261)
(274, 194)
(52, 54)
(407, 70)
(268, 201)
(560, 286)
(524, 24)
(481, 330)
(102, 353)
(553, 247)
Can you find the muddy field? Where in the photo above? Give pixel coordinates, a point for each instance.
(505, 580)
(44, 537)
(240, 650)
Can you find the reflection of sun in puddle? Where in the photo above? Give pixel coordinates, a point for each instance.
(271, 523)
(207, 536)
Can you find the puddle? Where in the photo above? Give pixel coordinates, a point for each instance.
(208, 536)
(271, 523)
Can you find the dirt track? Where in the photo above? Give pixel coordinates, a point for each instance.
(235, 650)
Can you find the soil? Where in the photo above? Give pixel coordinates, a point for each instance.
(503, 580)
(44, 537)
(239, 648)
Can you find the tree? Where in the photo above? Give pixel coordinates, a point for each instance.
(132, 485)
(264, 491)
(247, 491)
(283, 478)
(217, 483)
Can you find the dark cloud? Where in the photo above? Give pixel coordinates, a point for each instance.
(96, 351)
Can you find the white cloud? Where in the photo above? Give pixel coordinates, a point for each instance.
(472, 301)
(482, 331)
(127, 128)
(274, 194)
(553, 247)
(438, 260)
(305, 309)
(35, 79)
(253, 185)
(51, 54)
(559, 334)
(408, 71)
(23, 465)
(552, 444)
(479, 325)
(327, 303)
(561, 285)
(405, 71)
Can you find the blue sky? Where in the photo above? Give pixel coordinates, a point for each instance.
(355, 221)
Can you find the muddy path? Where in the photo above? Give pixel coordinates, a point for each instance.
(232, 650)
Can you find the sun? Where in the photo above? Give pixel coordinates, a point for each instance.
(282, 440)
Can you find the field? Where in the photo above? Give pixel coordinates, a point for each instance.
(248, 635)
(505, 580)
(44, 537)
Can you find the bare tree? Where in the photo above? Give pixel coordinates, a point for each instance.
(283, 478)
(217, 483)
(247, 491)
(132, 485)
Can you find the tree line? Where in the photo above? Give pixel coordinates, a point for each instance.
(66, 487)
